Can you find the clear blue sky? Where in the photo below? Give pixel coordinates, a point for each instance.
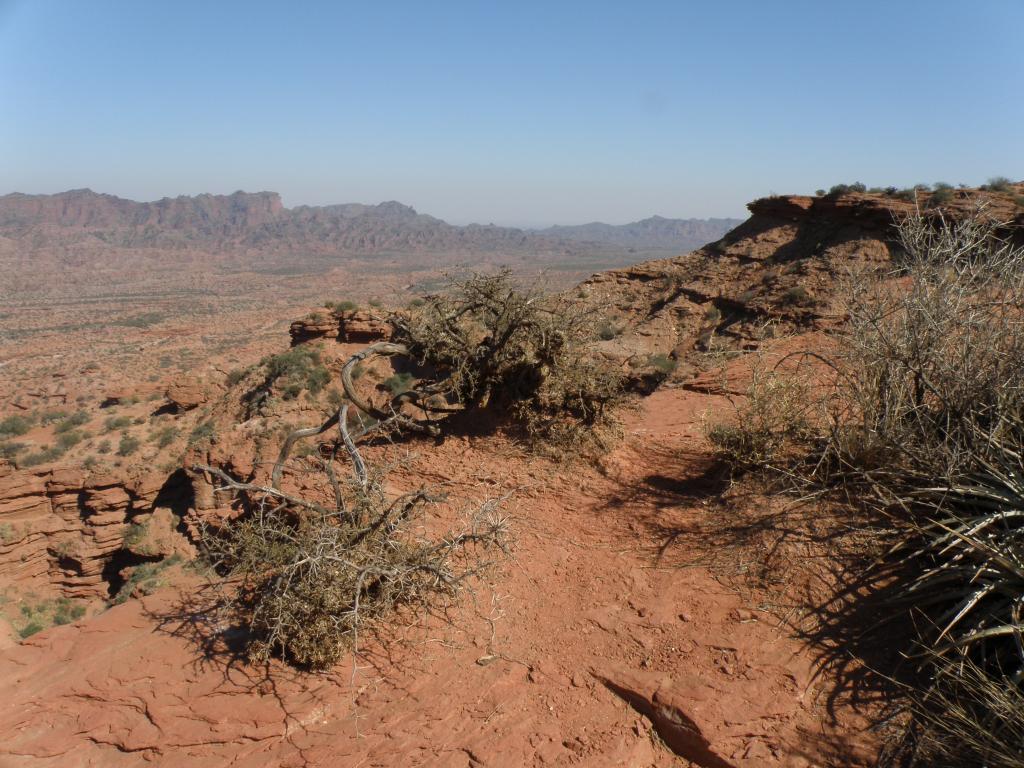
(515, 112)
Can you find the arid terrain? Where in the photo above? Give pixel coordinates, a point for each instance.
(654, 609)
(112, 293)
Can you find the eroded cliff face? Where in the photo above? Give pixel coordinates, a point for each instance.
(65, 532)
(782, 271)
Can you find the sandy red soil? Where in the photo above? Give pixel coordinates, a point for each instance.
(616, 632)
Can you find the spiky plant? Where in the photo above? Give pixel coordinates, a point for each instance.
(971, 547)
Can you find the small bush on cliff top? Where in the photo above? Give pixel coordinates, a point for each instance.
(843, 189)
(528, 358)
(295, 370)
(998, 184)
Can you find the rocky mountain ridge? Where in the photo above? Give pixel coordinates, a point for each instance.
(261, 221)
(653, 232)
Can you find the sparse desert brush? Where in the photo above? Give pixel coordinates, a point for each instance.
(308, 576)
(662, 363)
(928, 426)
(127, 445)
(487, 345)
(797, 296)
(774, 414)
(14, 426)
(998, 184)
(290, 373)
(964, 717)
(933, 353)
(844, 189)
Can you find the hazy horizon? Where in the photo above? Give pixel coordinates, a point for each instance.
(524, 115)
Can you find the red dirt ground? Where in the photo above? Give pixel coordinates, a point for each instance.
(618, 633)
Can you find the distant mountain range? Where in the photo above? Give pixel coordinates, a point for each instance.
(657, 232)
(83, 220)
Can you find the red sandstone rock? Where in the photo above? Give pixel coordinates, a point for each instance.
(187, 394)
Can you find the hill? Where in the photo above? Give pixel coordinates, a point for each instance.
(654, 233)
(259, 221)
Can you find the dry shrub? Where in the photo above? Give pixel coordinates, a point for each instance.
(930, 428)
(487, 345)
(305, 577)
(773, 416)
(965, 717)
(926, 424)
(933, 354)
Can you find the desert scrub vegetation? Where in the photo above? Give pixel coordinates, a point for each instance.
(998, 184)
(341, 306)
(11, 448)
(164, 436)
(33, 615)
(775, 414)
(308, 576)
(292, 372)
(926, 427)
(128, 445)
(14, 426)
(528, 360)
(144, 579)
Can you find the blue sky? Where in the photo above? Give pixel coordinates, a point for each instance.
(523, 113)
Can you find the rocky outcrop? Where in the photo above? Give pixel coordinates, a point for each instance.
(359, 326)
(780, 272)
(189, 393)
(318, 325)
(354, 326)
(61, 528)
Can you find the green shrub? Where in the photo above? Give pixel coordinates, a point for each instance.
(844, 189)
(103, 447)
(41, 456)
(113, 423)
(30, 629)
(66, 611)
(607, 330)
(942, 194)
(50, 417)
(145, 578)
(236, 375)
(773, 415)
(128, 445)
(797, 296)
(998, 184)
(76, 419)
(10, 449)
(203, 432)
(398, 383)
(342, 306)
(662, 363)
(295, 370)
(15, 425)
(164, 437)
(70, 439)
